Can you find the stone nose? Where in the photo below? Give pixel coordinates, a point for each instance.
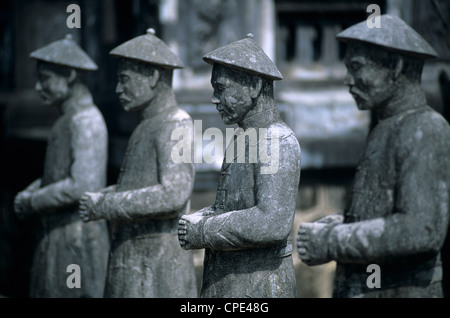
(349, 80)
(119, 89)
(38, 86)
(215, 100)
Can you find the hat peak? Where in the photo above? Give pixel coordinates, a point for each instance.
(148, 48)
(250, 36)
(394, 34)
(245, 55)
(65, 52)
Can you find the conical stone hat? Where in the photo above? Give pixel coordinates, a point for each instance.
(65, 52)
(245, 55)
(148, 48)
(394, 35)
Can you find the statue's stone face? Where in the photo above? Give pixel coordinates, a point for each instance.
(370, 83)
(54, 88)
(134, 87)
(231, 93)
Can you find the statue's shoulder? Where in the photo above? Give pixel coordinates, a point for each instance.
(88, 112)
(281, 131)
(178, 114)
(424, 129)
(88, 116)
(424, 121)
(287, 140)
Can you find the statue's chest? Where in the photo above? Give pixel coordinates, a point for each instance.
(140, 164)
(236, 187)
(373, 193)
(59, 153)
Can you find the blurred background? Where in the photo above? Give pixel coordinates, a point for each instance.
(298, 35)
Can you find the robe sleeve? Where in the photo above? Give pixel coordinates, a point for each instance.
(87, 169)
(163, 200)
(419, 222)
(33, 186)
(270, 220)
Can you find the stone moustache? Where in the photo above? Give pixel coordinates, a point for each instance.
(75, 162)
(398, 213)
(246, 231)
(152, 191)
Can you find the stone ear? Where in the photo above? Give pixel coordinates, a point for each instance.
(398, 67)
(72, 76)
(256, 87)
(154, 78)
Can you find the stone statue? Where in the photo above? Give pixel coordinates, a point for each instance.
(152, 191)
(398, 213)
(246, 232)
(75, 162)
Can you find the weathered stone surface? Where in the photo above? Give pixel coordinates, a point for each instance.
(75, 162)
(65, 52)
(148, 48)
(246, 55)
(393, 34)
(246, 232)
(152, 191)
(398, 213)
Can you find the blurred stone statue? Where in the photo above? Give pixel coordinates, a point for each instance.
(246, 232)
(398, 213)
(152, 191)
(75, 162)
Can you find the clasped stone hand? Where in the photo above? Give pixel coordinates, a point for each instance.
(22, 205)
(190, 229)
(87, 208)
(312, 243)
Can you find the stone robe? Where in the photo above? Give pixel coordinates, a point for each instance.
(248, 249)
(399, 210)
(75, 162)
(151, 194)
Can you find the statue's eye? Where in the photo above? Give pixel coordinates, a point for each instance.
(123, 78)
(43, 77)
(355, 66)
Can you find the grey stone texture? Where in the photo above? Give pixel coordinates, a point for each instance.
(152, 191)
(398, 213)
(65, 52)
(246, 232)
(75, 162)
(393, 34)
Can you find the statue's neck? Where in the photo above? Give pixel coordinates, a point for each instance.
(410, 96)
(264, 113)
(78, 95)
(160, 103)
